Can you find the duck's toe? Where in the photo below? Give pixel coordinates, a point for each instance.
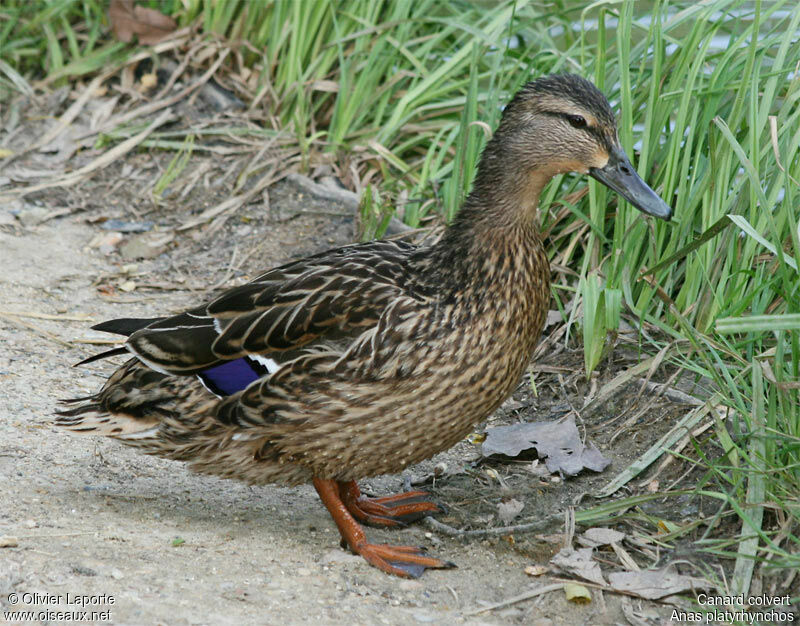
(389, 511)
(403, 561)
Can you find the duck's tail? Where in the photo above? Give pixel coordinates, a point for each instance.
(134, 405)
(123, 326)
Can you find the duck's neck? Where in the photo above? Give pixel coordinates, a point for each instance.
(492, 246)
(498, 217)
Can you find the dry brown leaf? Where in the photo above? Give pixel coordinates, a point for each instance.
(655, 584)
(579, 563)
(149, 25)
(509, 509)
(558, 443)
(595, 537)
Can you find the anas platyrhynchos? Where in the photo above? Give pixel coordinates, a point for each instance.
(365, 359)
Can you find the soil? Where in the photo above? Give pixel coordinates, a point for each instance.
(93, 517)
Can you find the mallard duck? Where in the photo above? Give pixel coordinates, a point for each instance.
(366, 359)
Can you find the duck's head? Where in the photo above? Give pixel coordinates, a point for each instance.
(563, 123)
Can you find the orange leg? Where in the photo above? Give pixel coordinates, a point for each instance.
(397, 510)
(405, 561)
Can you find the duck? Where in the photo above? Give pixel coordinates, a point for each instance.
(366, 359)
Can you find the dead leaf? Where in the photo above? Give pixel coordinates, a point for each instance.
(106, 242)
(553, 317)
(579, 563)
(476, 438)
(555, 539)
(61, 147)
(559, 443)
(145, 245)
(577, 593)
(536, 570)
(123, 226)
(666, 527)
(625, 558)
(509, 509)
(148, 81)
(325, 85)
(101, 112)
(537, 469)
(149, 25)
(654, 584)
(595, 537)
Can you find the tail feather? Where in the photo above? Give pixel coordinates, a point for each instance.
(92, 419)
(117, 411)
(102, 355)
(126, 325)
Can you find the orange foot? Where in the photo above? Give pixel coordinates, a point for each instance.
(392, 511)
(404, 561)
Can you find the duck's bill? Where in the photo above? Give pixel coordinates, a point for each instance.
(619, 175)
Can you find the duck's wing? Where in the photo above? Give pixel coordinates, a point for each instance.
(328, 388)
(335, 294)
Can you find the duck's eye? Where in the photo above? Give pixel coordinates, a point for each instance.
(577, 121)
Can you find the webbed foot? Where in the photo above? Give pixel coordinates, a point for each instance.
(404, 561)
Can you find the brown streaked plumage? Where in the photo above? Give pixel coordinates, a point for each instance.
(382, 354)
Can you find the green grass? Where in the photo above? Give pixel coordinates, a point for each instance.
(708, 98)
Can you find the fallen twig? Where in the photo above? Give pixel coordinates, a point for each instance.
(541, 524)
(670, 393)
(49, 535)
(98, 342)
(47, 316)
(519, 598)
(39, 331)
